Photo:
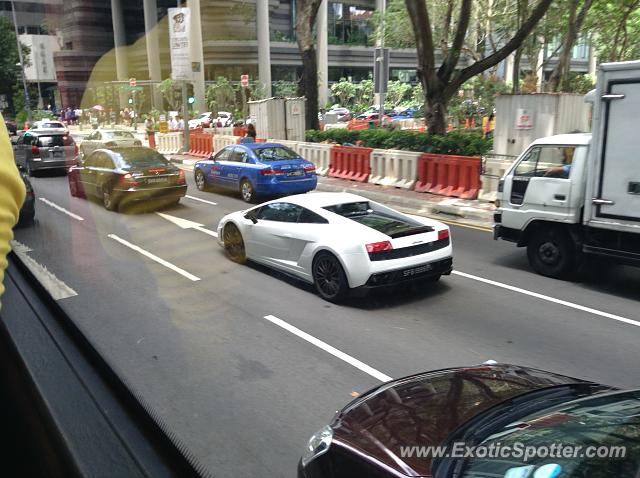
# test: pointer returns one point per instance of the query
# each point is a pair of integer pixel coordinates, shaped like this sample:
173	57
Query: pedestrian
250	136
488	127
180	123
173	124
150	129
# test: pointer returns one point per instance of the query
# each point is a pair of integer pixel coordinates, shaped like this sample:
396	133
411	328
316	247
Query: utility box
279	118
521	119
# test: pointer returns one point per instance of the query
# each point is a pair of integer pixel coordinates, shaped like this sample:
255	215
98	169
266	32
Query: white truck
573	195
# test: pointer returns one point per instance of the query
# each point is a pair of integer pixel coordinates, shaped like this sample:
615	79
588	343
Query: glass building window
349	24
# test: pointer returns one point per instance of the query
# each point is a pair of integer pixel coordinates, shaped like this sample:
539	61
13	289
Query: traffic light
130	101
191	100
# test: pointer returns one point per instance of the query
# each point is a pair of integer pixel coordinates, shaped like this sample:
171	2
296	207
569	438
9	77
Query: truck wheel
552	253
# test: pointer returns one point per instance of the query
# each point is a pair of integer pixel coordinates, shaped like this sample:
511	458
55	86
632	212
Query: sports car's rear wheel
234	244
329	277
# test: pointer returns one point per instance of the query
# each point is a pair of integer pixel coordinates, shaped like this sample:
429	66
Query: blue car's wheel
201	182
247	191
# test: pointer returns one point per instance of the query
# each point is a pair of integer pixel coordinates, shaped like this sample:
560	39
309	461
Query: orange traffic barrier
239	130
350	162
448	175
200	144
354	125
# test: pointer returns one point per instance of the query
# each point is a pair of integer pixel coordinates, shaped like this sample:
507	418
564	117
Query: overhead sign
179	25
244	80
524	119
132	82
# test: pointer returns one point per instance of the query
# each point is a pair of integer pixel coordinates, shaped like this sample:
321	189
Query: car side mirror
252	217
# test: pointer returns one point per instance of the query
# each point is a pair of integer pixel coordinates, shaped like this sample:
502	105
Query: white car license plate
298	172
417	270
156	180
58	155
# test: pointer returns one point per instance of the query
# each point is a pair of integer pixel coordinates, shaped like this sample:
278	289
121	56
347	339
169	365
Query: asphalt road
244	393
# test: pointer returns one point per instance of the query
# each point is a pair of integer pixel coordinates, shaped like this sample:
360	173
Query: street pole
185	115
135	114
27	100
381	8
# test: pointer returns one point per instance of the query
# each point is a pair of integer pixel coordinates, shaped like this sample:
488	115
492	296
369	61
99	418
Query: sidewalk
470	212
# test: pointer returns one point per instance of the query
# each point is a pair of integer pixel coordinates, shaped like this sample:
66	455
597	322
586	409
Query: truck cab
572	195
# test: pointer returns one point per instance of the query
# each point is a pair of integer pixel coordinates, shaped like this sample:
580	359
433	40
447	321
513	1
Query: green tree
221	95
441	82
10	71
285	88
615	28
171	93
344	91
397	93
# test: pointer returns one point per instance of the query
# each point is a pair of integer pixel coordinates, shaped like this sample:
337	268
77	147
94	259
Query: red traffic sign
244	80
132	82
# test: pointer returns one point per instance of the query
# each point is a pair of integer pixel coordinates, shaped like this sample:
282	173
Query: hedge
457	142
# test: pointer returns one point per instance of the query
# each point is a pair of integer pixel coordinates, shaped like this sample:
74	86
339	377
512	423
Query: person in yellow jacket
12	193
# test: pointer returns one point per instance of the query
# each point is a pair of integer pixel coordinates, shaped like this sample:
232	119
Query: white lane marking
187	224
328	348
155	258
56	287
550	299
193	198
61	209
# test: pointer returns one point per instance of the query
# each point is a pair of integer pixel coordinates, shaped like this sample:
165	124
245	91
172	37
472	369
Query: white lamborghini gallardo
338	242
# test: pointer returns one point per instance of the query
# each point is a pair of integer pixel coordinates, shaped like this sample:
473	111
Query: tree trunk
560	74
307	11
440	84
309	85
515	76
436	112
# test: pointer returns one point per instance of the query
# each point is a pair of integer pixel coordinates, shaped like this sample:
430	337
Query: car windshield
275	153
140	158
366	214
117	135
55	140
397	229
609	424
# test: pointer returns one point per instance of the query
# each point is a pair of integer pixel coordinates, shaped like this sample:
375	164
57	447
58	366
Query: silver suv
40	150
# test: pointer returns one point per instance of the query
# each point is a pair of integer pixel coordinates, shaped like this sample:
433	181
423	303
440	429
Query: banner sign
179	24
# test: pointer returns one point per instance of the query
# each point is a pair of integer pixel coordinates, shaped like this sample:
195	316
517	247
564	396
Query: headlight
318	444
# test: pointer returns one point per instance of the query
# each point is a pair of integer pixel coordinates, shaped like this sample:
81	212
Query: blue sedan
256	169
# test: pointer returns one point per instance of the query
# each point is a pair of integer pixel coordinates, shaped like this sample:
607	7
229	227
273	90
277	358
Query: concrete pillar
153	53
540	71
508	67
120	44
197	56
323	54
593	60
264	53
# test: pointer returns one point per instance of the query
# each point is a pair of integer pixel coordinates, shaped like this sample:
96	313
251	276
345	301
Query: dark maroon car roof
424	409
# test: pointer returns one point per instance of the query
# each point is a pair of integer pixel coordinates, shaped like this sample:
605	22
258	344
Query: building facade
254	37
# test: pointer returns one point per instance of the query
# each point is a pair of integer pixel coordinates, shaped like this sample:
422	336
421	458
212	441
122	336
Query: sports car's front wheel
234	244
329	277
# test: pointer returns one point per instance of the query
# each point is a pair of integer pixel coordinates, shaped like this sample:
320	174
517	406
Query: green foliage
221	95
479	98
344	92
10	73
397	93
285	88
171	93
456	142
580	83
615	29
